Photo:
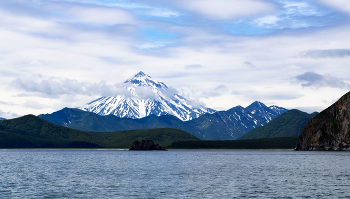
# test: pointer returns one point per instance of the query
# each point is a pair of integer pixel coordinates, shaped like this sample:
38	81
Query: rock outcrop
329	130
146	145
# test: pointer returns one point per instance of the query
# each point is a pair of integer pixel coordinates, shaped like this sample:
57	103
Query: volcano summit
147	96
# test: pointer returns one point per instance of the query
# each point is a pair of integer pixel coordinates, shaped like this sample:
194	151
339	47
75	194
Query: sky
66	53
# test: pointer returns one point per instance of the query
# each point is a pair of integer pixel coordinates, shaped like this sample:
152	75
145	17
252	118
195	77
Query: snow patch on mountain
235	122
148	96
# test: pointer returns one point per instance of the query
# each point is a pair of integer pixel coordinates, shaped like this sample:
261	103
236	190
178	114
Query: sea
63	173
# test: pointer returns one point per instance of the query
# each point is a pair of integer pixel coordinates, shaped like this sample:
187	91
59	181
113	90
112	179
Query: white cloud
8	115
329	53
54	87
249	64
217	91
145	93
314	80
88	55
271	95
91	14
152	45
267	20
192	93
342	5
302	8
223	9
2	102
194	66
34	104
162	12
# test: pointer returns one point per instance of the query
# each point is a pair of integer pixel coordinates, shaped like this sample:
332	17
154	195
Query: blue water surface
174	174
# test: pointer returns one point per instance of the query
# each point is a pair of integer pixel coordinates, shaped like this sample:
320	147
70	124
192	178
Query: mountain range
144	96
33	132
148	109
221	125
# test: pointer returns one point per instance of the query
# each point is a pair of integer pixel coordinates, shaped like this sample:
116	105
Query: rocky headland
146	145
329	130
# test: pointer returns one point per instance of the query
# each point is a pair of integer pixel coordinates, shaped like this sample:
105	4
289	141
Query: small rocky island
146	145
329	130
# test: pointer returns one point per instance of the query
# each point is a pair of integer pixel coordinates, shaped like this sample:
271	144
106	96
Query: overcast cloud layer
65	53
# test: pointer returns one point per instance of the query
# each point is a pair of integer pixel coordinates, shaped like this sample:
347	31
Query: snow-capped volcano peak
141	79
148	97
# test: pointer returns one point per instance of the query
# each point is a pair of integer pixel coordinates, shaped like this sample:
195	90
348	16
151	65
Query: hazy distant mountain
146	96
2	118
222	125
289	124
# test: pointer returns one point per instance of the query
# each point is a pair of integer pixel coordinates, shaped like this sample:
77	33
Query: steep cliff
329	130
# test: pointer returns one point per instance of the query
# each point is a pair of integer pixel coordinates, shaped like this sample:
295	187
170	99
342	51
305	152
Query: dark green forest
289	124
33	132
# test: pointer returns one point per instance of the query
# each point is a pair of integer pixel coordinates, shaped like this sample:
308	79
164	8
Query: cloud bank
330	53
194	66
341	5
249	64
222	9
314	80
250	45
54	87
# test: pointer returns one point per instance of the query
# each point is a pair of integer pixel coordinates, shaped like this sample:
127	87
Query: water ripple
173	174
